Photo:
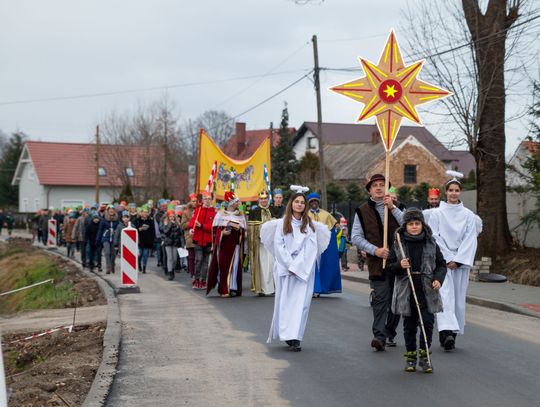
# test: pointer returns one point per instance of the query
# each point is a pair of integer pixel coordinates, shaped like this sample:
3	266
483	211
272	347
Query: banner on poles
245	176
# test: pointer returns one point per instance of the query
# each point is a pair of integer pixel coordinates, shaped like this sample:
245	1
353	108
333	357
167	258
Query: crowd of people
297	251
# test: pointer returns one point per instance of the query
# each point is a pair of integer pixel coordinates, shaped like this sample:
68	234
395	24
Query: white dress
455	229
295	256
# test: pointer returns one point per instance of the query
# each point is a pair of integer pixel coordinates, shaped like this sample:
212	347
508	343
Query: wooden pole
97	164
316	71
386	188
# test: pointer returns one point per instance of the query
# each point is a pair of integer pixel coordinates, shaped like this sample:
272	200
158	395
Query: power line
164	87
455	48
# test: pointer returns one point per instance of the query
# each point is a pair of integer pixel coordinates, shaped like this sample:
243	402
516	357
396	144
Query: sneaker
195	284
410	361
449	343
424	363
390	342
203	285
377	344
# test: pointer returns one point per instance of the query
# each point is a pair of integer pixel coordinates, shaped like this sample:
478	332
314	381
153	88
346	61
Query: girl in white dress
455	229
296	242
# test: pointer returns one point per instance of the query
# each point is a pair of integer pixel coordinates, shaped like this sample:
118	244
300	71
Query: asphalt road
182	348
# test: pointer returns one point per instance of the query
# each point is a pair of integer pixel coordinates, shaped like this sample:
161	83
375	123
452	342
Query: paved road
181	348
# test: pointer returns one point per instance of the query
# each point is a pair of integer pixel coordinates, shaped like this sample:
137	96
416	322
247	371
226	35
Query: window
409	174
102	172
311	143
129	172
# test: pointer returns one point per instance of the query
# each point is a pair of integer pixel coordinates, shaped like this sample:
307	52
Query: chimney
240	137
375	137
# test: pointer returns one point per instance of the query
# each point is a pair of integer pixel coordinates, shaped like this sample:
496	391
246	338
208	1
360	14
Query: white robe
455	229
294	274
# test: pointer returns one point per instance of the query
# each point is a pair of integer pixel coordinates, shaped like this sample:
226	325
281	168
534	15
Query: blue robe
327	271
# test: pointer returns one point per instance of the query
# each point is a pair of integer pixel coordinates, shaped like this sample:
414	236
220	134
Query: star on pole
390	91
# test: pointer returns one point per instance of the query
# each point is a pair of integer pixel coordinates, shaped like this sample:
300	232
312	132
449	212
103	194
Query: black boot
171	275
144	269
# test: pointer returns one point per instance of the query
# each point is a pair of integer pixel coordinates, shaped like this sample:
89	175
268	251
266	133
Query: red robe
221	266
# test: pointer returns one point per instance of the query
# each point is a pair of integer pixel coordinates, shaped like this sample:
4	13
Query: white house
64	174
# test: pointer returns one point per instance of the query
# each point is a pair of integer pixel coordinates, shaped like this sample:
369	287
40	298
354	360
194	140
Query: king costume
328	273
261	261
296	255
225	270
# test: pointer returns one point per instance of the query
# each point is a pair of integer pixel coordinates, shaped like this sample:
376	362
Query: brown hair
453	182
287	218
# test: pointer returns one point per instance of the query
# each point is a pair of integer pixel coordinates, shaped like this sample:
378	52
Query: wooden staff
386	188
415	298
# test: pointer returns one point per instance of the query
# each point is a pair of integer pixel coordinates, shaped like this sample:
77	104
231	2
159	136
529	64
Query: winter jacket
145	227
91	233
79	230
68	230
118	233
429	261
171	234
203	234
107	226
184	224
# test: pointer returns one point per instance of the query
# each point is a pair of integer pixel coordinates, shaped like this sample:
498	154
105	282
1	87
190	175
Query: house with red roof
59	175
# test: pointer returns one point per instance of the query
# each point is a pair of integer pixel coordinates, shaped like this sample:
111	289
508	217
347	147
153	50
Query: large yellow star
390	91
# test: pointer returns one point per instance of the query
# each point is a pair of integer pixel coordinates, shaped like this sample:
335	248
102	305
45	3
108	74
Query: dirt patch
21	264
53	370
521	266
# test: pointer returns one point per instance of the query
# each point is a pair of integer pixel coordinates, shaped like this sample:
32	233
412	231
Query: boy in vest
367	235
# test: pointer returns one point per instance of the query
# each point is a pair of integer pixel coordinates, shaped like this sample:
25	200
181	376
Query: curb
482	302
104	378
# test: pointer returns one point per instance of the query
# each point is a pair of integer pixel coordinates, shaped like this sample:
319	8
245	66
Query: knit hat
278	191
413	214
125	213
170	212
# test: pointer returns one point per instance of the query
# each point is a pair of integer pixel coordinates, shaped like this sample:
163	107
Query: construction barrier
129	265
51	236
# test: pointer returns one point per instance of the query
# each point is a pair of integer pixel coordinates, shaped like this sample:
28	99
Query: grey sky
61	48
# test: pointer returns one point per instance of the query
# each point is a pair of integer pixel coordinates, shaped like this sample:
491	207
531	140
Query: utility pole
319	122
97	164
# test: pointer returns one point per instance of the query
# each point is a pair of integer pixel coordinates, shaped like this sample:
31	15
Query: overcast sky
63	48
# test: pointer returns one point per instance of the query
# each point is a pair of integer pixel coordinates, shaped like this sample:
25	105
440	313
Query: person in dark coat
145	228
107	226
94	244
427	266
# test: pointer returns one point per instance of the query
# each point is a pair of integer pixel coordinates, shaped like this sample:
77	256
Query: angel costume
295	255
226	265
455	229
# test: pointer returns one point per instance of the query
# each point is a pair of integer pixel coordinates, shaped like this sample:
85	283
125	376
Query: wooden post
386	188
97	164
316	71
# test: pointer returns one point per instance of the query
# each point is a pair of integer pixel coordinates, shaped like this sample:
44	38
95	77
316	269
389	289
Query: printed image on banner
245	177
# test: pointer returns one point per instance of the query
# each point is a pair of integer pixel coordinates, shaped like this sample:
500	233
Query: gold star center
390	91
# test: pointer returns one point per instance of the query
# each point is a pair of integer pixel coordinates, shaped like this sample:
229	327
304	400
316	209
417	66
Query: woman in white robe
296	242
455	229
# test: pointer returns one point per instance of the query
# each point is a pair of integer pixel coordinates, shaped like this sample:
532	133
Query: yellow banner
247	175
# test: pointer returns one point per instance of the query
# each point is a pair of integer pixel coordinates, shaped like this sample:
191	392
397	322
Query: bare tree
154	134
218	124
470	48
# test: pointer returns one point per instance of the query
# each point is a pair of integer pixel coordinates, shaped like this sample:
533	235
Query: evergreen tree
8	164
335	193
355	193
284	164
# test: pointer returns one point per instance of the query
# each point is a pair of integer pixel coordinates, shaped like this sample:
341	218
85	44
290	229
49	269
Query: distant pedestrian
187	214
69	225
172	239
10	221
343	241
2	220
107	226
94	244
200	227
147	236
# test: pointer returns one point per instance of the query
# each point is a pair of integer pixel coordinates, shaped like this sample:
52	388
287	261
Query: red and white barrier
129	265
51	236
3	391
68	328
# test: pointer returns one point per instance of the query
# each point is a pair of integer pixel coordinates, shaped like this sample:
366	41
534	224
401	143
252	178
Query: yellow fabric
249	173
323	217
